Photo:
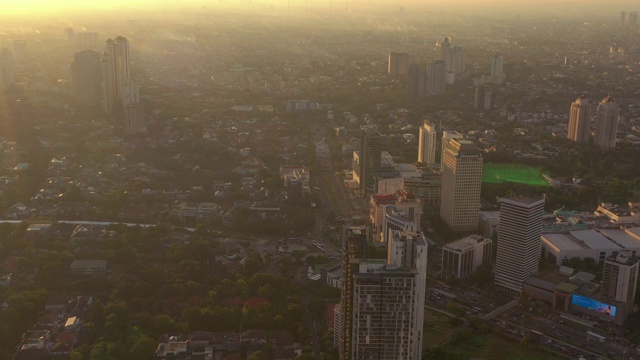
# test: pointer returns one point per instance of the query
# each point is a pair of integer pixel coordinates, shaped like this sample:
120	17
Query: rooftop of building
466	242
593	239
524	198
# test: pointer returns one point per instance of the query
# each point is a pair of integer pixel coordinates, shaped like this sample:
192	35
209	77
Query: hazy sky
40	7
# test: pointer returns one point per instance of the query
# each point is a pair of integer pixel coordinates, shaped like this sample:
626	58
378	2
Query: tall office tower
489	97
445	54
497	65
108	83
497	69
387	312
355	242
606	124
87	39
623	19
7	70
620	277
579	117
134	120
118	50
633	19
427	143
398	63
415	82
86	77
370	157
20	50
446	137
461	182
478	99
457	60
131	93
70	33
436	78
518	241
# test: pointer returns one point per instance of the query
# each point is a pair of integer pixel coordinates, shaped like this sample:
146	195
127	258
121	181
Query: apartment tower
620	277
398	63
436	78
606	124
387	314
579	117
427	143
355	242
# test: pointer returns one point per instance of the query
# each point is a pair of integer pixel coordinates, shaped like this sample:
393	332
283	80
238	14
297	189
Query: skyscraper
415	83
20	51
446	137
518	241
355	242
579	117
461	182
7	70
370	157
623	19
398	63
387	314
108	83
457	60
445	49
427	143
86	77
436	78
606	124
118	50
496	65
70	33
620	277
633	19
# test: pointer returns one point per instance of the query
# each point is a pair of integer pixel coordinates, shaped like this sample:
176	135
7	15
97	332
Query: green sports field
514	173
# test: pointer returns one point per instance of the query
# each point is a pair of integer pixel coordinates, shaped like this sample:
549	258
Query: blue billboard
594	305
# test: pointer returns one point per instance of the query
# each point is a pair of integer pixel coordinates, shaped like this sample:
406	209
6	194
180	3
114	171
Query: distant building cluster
105	80
606	122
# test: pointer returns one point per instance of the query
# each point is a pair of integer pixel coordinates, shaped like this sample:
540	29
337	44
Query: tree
143	348
576	262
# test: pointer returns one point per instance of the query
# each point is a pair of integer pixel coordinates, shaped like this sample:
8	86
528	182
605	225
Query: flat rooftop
593	239
621	238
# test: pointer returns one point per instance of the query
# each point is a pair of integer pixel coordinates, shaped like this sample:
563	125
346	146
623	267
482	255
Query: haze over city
319	179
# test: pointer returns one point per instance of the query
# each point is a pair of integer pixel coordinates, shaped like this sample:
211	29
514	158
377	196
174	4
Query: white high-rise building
606	124
388	302
579	118
518	241
620	277
427	143
461	182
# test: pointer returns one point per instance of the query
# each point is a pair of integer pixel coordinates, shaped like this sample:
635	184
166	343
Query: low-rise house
88	267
